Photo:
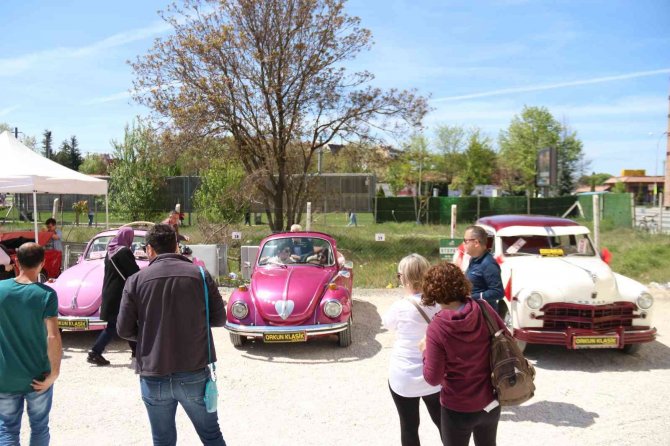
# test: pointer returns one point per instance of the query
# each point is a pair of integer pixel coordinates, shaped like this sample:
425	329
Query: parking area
317	393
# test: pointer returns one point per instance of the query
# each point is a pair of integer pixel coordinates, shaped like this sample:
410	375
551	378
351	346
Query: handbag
511	374
211	392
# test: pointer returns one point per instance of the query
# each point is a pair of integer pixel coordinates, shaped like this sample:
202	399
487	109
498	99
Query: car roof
314	234
498	222
112	232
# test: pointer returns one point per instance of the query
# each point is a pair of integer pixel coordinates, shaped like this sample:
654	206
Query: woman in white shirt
409	319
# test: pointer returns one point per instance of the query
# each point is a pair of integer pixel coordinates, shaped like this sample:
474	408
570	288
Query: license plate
294	336
595	341
76	324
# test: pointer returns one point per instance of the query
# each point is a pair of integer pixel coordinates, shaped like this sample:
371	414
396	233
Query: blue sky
601	66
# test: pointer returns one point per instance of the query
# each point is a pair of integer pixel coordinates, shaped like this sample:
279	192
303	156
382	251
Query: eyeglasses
466	240
398	275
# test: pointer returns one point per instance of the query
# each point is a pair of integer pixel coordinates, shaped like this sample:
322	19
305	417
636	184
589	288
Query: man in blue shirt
30	349
483	271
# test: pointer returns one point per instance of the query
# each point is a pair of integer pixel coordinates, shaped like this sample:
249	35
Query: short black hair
162	238
29	255
50	221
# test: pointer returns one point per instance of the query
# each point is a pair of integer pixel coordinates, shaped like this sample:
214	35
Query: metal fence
654	220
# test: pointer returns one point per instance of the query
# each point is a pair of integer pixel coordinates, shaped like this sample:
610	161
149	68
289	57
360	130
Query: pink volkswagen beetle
300	288
79	287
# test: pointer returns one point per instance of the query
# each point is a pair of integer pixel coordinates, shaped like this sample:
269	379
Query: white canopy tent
23	171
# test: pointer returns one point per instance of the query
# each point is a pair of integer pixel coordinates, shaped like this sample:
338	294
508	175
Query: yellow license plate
595	341
295	336
78	324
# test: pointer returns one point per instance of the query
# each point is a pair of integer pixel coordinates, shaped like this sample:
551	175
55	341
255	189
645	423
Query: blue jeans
161	395
11	411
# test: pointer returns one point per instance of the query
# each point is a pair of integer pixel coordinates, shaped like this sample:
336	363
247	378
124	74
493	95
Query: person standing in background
483	271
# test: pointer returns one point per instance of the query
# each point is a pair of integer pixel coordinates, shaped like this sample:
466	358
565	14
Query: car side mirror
343	273
80	258
348	264
247	264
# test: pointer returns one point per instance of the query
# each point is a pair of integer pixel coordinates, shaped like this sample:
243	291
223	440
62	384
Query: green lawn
637	255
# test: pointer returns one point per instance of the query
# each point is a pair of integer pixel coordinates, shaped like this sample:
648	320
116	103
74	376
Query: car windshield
297	250
98	247
549	246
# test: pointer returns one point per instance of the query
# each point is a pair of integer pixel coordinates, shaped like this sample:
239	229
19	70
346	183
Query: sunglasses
398	275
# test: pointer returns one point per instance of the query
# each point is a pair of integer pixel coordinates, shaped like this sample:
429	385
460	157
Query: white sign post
380	237
453	220
308	225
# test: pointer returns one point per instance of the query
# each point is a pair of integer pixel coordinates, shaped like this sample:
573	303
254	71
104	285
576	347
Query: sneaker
97	359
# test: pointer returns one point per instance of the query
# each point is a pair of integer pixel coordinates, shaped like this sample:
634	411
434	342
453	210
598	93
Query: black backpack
511	374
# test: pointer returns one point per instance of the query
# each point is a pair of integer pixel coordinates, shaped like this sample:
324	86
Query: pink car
300	288
79	287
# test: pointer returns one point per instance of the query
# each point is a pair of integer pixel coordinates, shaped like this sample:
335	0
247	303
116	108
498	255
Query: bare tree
270	75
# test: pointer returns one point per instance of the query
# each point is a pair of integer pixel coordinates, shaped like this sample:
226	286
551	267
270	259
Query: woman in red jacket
456	355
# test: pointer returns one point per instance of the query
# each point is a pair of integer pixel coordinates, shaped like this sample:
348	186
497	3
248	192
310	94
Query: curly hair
445	283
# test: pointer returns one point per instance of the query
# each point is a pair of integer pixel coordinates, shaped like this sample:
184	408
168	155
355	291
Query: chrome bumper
257	331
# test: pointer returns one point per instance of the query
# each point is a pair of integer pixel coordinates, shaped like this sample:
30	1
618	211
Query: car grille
560	316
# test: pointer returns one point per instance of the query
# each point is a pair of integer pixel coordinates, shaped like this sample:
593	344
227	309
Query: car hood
567	279
289	295
79	288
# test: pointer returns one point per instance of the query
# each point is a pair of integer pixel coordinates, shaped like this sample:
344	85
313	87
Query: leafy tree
221	194
269	75
138	176
479	163
451	142
570	161
62	157
533	130
595	179
74	157
619	187
94	164
47	144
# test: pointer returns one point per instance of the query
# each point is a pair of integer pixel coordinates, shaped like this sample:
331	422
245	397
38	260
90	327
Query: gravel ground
319	394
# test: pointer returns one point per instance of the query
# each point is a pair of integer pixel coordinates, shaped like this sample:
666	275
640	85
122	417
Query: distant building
645	189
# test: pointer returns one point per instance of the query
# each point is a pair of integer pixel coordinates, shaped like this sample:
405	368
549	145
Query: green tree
593	180
570	161
221	196
47	144
533	130
74	157
269	75
94	164
480	163
138	176
451	142
62	157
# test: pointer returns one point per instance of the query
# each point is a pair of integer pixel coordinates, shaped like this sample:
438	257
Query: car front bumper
80	323
569	337
257	331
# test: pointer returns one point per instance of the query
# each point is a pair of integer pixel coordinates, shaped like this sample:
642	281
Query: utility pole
666	187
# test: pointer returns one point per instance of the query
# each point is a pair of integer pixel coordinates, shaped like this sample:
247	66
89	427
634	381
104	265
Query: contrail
596	80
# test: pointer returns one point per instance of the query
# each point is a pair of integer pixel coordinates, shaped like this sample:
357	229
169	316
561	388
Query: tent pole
37	240
106	211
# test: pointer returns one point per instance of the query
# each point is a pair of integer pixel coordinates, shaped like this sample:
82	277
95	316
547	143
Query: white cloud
597	80
13	66
7	110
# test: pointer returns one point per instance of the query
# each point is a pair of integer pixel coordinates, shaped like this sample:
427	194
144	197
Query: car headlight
534	300
645	301
332	308
239	310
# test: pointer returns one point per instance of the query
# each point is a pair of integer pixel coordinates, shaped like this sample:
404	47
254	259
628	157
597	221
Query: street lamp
658	142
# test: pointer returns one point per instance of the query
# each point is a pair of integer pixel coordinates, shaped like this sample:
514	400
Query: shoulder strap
117	268
209	349
487	316
423	313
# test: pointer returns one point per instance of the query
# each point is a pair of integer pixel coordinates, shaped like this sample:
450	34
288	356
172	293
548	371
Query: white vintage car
558	289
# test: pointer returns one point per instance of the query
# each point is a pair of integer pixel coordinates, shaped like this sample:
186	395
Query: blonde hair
412	268
296	228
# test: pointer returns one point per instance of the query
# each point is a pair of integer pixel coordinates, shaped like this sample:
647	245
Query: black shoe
97	359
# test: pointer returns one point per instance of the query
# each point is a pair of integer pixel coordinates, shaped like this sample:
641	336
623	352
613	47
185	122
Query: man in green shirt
30	349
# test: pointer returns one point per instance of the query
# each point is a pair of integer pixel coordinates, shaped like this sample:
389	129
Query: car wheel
506	316
344	337
237	340
630	349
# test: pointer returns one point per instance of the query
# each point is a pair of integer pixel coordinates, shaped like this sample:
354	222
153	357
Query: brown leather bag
511	374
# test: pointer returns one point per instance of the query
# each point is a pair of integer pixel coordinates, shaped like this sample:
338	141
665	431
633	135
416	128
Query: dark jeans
408	411
457	427
161	395
106	335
